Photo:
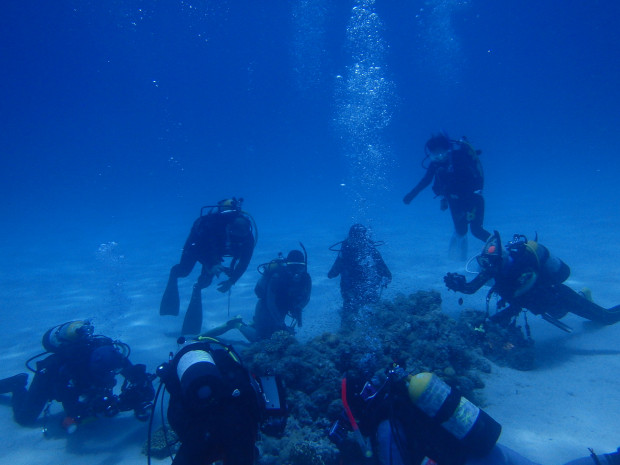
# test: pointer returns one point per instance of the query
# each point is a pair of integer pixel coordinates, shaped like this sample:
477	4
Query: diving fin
170	300
193	317
458	247
13	383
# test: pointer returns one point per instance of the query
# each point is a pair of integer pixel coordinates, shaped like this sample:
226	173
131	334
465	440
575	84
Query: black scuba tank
472	426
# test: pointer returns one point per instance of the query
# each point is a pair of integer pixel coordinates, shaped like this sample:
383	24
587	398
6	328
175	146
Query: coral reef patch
411	331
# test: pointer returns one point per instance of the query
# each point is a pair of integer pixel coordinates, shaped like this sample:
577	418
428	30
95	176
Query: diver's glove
137	389
408	198
296	314
455	282
225	286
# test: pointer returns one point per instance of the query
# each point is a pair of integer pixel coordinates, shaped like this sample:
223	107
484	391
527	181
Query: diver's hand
216	270
225	286
455	282
408	198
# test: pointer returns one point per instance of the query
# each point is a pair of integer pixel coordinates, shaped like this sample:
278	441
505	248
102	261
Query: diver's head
490	259
229	205
358	232
295	257
105	361
438	147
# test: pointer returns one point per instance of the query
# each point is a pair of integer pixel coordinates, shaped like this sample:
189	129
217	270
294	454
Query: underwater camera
275	413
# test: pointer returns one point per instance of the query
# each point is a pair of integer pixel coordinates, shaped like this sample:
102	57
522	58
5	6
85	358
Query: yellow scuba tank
66	333
552	269
473	427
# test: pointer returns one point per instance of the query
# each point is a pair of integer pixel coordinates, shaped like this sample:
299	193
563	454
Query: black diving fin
170	300
192	323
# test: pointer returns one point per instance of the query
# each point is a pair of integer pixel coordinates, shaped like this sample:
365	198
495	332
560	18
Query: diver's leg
195	454
235	323
458	242
249	332
458	247
192	323
261	327
13	383
170	300
505	315
573	302
476	218
28	404
605	459
500	455
391	442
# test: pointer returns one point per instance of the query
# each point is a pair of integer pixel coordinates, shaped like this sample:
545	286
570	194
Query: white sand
571	401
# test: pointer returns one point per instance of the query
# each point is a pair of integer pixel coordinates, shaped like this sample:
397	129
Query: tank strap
450	404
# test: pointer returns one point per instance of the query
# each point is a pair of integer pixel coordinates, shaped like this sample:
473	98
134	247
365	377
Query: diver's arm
301	299
336	268
423	184
458	283
305	297
382	268
240	264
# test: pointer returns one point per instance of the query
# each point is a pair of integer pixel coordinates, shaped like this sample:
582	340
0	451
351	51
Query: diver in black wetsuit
528	276
457	171
420	419
214	408
283	290
226	231
80	371
363	273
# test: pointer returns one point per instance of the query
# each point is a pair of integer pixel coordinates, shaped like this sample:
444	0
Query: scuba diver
528	276
216	407
420	419
283	290
363	273
225	231
456	168
80	372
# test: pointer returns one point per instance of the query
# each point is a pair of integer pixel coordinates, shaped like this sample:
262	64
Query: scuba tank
473	427
66	333
551	269
199	377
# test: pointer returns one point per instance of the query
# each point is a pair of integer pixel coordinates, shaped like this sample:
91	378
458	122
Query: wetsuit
522	286
403	435
456	182
284	290
82	376
208	243
362	273
212	237
223	426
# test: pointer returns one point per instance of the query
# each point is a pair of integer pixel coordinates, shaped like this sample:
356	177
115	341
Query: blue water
120	119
